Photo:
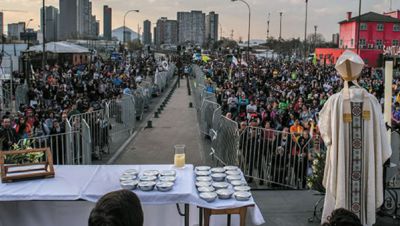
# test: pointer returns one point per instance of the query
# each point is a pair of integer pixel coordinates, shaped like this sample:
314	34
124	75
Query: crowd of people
60	91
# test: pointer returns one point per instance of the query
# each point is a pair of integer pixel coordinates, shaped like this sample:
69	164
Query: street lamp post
358	27
305	39
248	32
44	35
280	25
129	11
315	37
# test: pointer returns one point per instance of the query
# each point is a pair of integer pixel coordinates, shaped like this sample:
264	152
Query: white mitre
349	66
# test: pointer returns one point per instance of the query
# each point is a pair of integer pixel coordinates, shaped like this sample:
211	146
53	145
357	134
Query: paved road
177	125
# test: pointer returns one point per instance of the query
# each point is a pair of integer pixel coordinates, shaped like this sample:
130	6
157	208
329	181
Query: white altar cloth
43	202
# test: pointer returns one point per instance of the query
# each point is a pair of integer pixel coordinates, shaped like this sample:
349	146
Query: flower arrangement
33	157
314	181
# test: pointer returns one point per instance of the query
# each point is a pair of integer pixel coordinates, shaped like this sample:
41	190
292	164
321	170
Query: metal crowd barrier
21	96
206	116
224	143
70	148
98	127
279	159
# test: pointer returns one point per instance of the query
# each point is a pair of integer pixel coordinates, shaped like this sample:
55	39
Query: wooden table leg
243	212
200	216
229	220
207	214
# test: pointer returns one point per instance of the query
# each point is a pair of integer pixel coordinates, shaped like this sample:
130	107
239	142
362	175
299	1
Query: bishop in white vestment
352	127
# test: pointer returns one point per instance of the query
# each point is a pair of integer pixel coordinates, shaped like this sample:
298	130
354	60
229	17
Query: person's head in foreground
342	217
118	208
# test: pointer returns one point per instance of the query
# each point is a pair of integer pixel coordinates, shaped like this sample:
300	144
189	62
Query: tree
225	43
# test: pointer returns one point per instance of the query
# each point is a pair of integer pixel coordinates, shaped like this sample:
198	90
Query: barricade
206	116
70	148
21	96
98	126
225	141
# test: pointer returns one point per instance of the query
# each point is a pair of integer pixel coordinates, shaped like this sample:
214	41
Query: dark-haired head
342	217
118	208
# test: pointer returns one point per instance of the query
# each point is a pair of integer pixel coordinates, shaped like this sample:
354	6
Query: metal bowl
233	172
206	189
208	196
238	183
203	184
168	173
241	188
218	176
164	186
218	170
129	184
147	185
231	168
220	185
167	178
231	178
224	193
202	173
132	172
202	168
148	178
125	177
206	179
242	195
151	173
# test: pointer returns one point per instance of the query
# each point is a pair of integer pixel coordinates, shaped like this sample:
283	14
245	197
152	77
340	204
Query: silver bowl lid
203	178
218	175
148	178
132	171
146	183
168	178
129	182
231	168
203	183
238	182
202	173
202	168
206	189
151	173
234	177
232	172
218	170
242	194
126	177
220	185
168	173
242	188
208	195
162	184
225	192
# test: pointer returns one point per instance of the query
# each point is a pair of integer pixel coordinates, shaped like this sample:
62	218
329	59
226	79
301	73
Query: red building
376	32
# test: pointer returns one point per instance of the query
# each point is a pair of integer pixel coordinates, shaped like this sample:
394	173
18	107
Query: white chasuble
354	132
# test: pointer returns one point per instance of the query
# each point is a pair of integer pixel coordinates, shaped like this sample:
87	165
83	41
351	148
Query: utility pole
358	27
269	17
44	35
391	4
280	26
315	37
305	39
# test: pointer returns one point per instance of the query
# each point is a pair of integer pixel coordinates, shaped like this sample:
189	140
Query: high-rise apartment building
147	32
107	29
52	25
15	30
166	32
191	27
211	28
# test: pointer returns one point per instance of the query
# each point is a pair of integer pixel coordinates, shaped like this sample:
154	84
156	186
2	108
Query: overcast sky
233	15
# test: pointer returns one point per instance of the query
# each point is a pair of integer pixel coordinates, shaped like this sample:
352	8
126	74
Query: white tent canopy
59	47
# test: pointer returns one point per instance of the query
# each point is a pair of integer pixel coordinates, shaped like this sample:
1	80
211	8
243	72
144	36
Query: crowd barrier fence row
90	135
277	159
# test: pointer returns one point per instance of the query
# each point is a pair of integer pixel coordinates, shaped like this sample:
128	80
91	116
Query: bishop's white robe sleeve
324	123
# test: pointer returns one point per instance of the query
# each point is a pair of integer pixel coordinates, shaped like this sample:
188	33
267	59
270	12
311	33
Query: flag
315	59
235	61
